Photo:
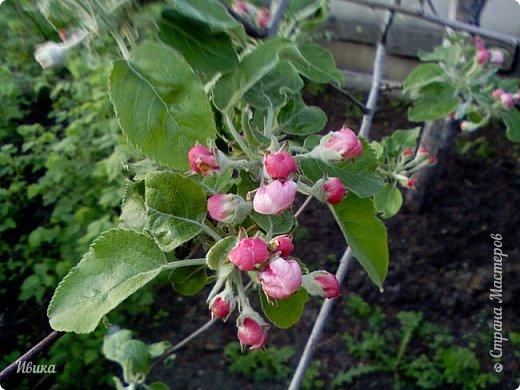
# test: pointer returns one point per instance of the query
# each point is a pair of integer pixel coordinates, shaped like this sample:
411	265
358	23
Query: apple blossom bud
497	93
248	253
345	142
329	284
202	161
432	160
250	332
479	43
411	183
281	278
221	306
321	283
279	165
274	198
282	244
51	54
228	208
483	56
407	152
507	100
334	190
240	7
423	150
497	57
262	19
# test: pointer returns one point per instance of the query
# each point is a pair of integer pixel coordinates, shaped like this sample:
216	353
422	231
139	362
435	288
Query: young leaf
389	201
205	51
400	140
437	100
176	208
189	280
284	313
319	65
423	75
365	234
219	252
296	118
250	70
512	120
300	10
132	355
161	104
118	263
274	224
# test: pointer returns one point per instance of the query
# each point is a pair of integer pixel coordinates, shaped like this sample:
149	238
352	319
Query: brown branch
31	354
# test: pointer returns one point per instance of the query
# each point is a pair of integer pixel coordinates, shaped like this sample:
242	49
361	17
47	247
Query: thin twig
302	207
456	25
364	109
319	324
31	354
379	64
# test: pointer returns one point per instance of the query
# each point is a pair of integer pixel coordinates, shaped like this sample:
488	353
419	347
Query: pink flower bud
464	125
281	278
274	198
334	190
282	244
240	7
262	19
497	93
411	183
423	150
479	43
202	161
497	57
251	333
507	100
432	160
220	307
248	252
407	152
346	142
279	165
329	284
228	208
483	56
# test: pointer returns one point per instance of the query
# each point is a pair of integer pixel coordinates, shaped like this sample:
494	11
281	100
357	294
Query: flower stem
184	263
238	138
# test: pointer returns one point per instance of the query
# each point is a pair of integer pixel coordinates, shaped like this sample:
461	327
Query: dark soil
440	264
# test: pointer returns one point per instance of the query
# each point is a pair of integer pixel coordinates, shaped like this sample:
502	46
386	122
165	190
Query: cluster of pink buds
409	162
261	15
484	55
506	99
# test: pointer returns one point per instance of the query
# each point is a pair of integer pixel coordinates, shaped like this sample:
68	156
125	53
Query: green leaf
423	75
205	51
447	54
189	280
389	201
365	234
284	313
296	118
217	184
132	355
400	140
161	104
512	120
358	175
118	263
437	100
300	10
219	252
176	208
212	14
319	65
133	210
255	65
273	89
274	224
